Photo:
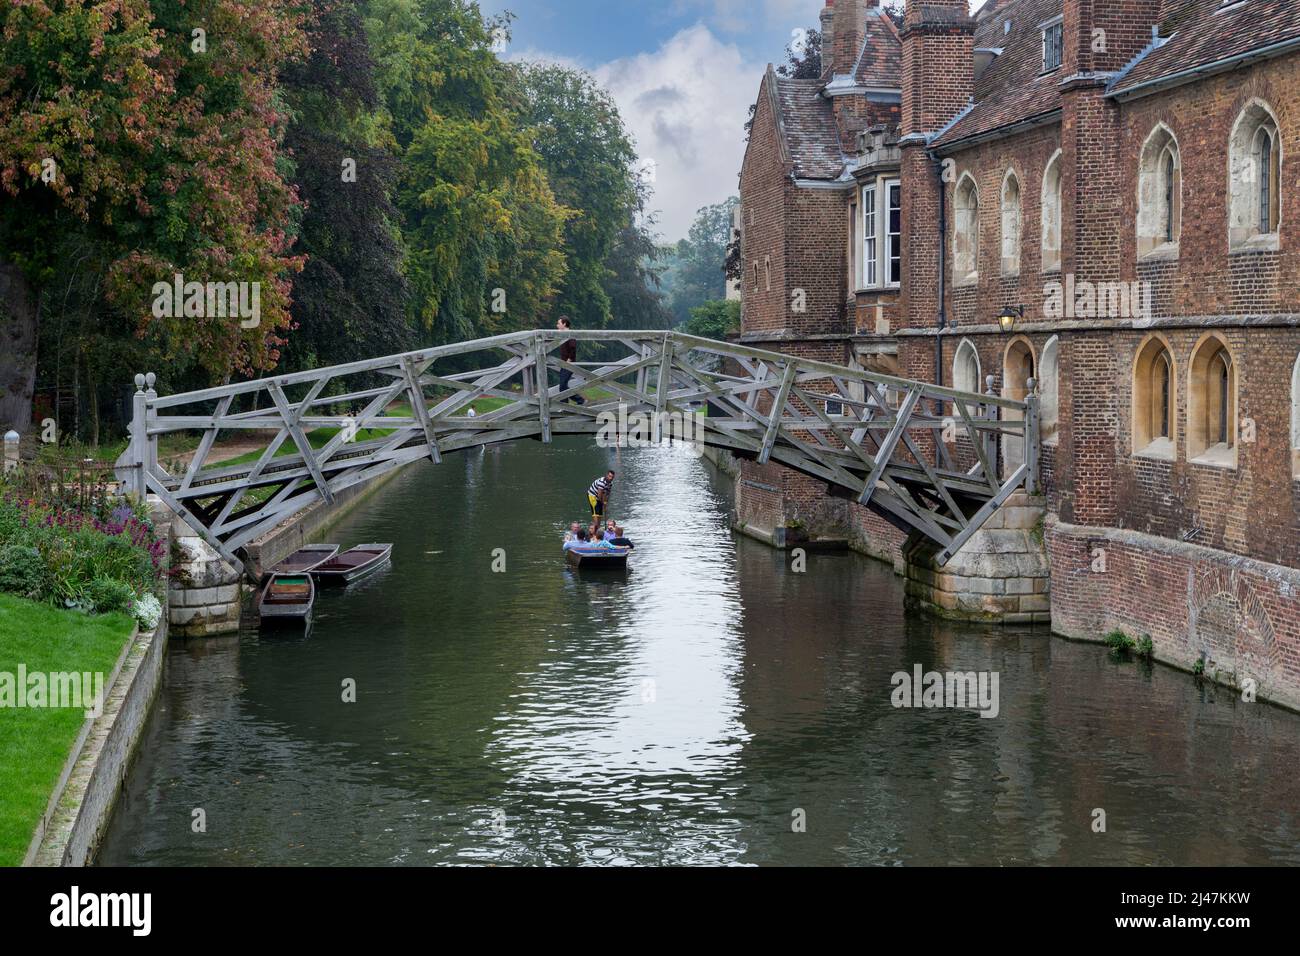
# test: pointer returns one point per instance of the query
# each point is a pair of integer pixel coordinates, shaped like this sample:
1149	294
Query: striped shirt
600	487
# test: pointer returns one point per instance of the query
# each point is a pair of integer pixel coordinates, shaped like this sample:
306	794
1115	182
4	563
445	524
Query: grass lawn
35	742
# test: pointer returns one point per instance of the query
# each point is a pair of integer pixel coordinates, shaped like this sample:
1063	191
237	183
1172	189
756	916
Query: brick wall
1241	617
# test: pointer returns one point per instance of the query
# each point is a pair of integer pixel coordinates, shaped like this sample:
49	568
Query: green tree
350	300
588	156
714	320
479	215
698	261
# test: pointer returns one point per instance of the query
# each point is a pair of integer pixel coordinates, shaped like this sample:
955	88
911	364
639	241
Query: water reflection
686	712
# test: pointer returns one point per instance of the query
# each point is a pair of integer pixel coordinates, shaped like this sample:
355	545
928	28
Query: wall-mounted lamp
1007	317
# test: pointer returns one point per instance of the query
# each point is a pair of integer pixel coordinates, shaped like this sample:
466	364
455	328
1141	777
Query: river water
711	706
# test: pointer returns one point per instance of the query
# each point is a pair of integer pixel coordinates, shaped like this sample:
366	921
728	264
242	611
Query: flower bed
106	558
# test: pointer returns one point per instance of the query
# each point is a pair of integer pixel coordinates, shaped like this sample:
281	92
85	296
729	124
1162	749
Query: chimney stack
938	63
850	30
828	35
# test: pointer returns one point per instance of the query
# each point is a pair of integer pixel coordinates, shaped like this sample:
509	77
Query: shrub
23	572
108	594
1146	647
1120	642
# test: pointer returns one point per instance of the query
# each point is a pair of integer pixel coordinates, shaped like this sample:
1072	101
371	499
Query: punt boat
305	559
353	565
287	599
597	557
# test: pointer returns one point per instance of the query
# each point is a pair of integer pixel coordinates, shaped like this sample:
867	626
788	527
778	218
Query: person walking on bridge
598	497
568	353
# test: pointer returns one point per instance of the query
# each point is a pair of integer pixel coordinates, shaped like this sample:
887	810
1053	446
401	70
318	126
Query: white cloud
686	104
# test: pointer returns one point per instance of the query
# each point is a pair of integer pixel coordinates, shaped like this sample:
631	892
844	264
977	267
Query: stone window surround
1012	219
1154	193
880	181
1202	397
1146	442
1050	213
1295	420
965	232
1244	234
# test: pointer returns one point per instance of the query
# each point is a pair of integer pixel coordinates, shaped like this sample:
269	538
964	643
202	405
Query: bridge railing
930	459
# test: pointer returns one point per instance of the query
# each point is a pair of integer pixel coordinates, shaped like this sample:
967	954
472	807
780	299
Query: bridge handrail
714	346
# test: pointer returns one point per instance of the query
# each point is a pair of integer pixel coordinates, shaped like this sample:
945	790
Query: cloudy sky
683	72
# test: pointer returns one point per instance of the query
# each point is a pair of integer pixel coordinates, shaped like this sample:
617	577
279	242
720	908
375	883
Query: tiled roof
1013	87
808	121
1206	31
881	61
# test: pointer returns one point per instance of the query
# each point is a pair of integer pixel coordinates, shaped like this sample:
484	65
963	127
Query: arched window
1010	225
1051	215
1154	400
966	368
965	238
1295	420
1048	390
1159	218
1212	404
1255	178
835	404
1017	371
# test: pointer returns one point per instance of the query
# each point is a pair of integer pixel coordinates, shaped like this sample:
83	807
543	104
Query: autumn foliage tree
151	150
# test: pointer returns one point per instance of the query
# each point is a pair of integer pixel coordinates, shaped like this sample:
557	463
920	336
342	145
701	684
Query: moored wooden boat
353	564
287	598
598	557
305	559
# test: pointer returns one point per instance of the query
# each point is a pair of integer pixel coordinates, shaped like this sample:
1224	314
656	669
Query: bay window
882	234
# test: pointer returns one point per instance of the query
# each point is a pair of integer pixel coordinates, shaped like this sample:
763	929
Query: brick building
1117	175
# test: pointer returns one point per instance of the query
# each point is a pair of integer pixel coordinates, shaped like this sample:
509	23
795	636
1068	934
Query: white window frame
877	260
1057	24
870	204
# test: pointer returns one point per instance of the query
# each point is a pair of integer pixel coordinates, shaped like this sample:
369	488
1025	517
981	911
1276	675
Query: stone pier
1000	575
205	593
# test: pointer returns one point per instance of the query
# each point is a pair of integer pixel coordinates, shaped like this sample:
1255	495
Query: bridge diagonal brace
977	442
419	406
300	439
205	446
777	411
159	489
888	444
664	382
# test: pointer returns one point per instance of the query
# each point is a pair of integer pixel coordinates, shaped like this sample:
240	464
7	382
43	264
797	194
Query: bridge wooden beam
888	444
777	410
421	410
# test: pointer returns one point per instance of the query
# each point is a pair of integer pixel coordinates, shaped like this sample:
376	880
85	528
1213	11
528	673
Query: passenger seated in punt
614	535
580	540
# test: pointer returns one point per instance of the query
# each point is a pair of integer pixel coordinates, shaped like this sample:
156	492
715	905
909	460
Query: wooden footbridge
924	457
